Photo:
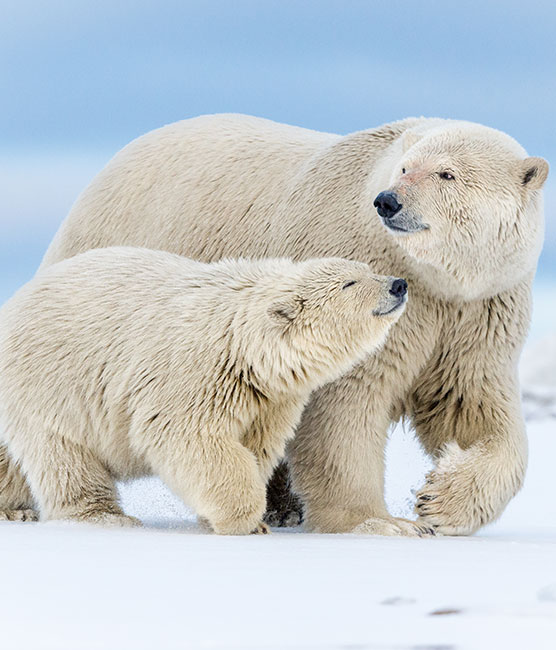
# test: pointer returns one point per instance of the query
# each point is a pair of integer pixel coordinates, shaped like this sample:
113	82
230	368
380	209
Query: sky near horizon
81	79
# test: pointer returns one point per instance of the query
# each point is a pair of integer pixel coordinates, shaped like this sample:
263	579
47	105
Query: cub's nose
387	204
399	288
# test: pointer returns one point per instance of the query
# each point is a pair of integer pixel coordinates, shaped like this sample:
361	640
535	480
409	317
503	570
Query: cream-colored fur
122	362
233	185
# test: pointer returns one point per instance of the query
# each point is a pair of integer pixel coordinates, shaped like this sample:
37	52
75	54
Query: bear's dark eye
403	170
349	284
447	176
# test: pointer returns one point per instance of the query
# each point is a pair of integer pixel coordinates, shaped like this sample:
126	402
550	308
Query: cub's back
80	315
119	284
91	341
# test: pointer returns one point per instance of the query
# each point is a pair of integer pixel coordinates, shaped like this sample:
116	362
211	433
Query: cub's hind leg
71	483
16	500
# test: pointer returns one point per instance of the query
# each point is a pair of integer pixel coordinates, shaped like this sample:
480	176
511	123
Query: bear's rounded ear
533	173
286	310
409	139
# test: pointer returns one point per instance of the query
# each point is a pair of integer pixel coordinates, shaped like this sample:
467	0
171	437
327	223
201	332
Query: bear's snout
398	288
387	204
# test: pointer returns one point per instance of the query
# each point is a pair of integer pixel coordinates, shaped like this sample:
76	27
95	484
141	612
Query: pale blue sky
80	79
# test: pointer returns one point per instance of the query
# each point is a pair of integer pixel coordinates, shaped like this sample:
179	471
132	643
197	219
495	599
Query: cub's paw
204	524
108	519
19	515
396	527
261	529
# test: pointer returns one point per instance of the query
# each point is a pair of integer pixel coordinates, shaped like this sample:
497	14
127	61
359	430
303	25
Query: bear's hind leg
71	483
16	500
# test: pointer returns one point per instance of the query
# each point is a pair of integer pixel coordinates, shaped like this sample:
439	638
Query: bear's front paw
285	518
284	510
441	505
396	527
456	499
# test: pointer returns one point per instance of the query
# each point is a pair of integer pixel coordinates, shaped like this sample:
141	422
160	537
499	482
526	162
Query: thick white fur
123	362
231	185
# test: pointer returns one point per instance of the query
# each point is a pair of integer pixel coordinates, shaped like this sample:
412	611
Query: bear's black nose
399	288
387	204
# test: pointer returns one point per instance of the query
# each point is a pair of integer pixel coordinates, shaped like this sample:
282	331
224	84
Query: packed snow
171	585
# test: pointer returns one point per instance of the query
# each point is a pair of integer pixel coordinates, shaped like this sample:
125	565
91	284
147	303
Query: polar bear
122	362
459	216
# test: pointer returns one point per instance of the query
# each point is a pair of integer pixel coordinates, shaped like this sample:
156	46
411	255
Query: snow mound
538	379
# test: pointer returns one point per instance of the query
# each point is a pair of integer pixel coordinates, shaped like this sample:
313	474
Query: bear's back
198	187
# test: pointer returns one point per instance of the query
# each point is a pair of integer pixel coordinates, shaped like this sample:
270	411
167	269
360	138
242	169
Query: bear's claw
443	505
261	529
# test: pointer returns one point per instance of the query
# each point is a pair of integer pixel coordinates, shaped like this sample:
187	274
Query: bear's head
464	201
320	317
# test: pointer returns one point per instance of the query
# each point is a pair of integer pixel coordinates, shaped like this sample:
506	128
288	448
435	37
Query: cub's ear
409	139
533	173
286	310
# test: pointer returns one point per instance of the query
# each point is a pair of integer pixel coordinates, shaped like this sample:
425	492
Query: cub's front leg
213	472
270	431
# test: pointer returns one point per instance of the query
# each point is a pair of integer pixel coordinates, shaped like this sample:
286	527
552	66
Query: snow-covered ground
169	585
72	587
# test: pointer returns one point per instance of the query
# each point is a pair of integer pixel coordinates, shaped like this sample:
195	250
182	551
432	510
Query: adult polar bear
462	220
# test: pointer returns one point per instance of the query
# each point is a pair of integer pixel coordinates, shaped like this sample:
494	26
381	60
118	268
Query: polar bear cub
123	362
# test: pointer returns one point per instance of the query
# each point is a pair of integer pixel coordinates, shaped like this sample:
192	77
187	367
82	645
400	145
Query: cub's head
324	315
464	200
